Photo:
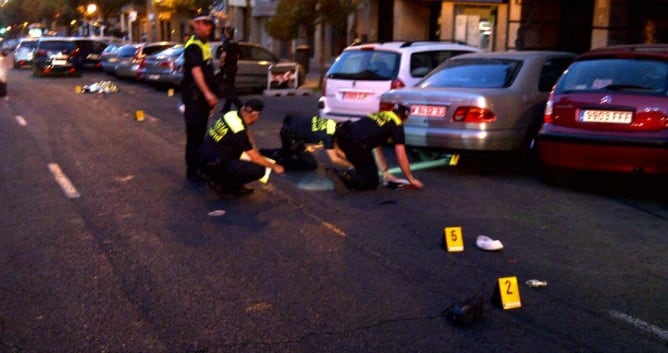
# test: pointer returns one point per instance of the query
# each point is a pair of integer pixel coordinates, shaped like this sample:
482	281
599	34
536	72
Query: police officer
229	57
361	142
296	133
223	146
197	92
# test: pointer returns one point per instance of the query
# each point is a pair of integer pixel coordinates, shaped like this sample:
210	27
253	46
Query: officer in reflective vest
197	92
223	146
361	141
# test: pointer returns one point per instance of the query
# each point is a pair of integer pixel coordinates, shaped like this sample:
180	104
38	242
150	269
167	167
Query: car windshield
615	74
473	73
366	65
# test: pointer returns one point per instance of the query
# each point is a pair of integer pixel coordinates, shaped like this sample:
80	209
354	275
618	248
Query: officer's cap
203	16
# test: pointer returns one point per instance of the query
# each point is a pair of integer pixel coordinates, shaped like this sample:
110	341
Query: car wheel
3	89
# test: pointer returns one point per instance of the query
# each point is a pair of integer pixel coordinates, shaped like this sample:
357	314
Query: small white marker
21	121
63	181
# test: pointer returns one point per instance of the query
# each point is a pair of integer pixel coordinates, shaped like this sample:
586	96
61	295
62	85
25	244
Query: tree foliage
291	14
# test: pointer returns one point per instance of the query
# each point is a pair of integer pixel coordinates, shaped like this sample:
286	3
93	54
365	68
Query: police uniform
229	71
296	133
357	140
197	53
223	145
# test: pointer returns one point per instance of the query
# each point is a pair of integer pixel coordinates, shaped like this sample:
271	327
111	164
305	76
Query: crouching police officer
361	142
296	133
223	145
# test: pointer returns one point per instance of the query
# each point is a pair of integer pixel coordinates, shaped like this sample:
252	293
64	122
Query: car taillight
474	115
324	86
40	53
166	64
547	117
397	83
385	106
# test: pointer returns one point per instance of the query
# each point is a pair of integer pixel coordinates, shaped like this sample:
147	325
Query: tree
305	15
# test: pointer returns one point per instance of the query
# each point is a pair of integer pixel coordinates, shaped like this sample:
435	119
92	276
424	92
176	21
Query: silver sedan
492	101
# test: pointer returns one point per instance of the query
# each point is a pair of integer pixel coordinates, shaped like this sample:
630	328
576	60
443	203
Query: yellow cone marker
139	115
170	92
77	89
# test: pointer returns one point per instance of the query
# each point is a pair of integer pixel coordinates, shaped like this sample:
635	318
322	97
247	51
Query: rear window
423	62
127	51
614	75
155	48
27	44
366	65
173	51
53	46
255	54
474	73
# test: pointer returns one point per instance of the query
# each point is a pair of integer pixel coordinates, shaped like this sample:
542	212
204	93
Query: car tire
3	89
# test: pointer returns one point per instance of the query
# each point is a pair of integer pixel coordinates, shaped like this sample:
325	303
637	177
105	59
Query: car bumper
460	139
646	153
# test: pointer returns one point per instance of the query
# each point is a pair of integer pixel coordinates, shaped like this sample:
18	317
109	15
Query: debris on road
100	87
535	283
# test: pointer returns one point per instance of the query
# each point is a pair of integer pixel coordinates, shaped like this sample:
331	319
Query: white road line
21	121
640	324
63	181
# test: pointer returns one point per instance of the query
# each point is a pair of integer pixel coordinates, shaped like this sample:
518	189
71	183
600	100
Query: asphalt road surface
104	247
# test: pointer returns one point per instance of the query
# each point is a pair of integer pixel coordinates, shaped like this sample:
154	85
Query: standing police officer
197	92
229	57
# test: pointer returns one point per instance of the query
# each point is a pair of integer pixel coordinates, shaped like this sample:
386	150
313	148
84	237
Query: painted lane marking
640	324
63	181
21	121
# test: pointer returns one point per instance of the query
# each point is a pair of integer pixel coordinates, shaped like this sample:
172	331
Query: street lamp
90	11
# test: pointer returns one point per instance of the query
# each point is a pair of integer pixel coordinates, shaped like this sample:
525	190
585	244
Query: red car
609	113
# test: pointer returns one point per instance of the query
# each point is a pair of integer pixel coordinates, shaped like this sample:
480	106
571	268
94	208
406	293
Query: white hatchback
352	87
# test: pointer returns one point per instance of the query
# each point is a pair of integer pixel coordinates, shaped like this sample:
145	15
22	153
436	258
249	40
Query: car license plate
606	116
153	77
434	111
356	96
59	62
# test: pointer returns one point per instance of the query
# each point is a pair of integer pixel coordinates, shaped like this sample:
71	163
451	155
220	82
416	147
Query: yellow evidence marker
453	239
508	293
139	115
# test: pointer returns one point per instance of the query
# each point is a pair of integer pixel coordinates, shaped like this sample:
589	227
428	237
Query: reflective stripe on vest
381	118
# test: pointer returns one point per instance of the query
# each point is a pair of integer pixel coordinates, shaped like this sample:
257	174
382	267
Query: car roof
513	54
628	50
412	46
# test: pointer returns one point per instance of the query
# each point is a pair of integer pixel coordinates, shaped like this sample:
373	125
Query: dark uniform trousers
233	174
365	175
196	116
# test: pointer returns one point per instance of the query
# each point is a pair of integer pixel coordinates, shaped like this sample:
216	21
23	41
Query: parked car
24	52
492	101
109	58
90	50
609	113
352	87
131	56
56	56
254	63
8	45
158	68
